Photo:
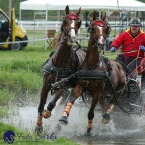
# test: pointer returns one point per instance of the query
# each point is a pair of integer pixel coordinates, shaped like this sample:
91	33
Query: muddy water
122	129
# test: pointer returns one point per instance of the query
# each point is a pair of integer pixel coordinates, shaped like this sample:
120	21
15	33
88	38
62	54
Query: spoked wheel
143	91
131	99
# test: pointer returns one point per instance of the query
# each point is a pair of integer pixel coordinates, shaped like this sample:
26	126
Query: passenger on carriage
132	44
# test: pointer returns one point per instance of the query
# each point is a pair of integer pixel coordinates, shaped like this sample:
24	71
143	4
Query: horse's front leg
94	102
52	104
75	93
44	92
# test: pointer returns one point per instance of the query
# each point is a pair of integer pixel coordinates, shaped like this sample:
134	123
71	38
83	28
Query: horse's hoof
63	120
105	121
46	114
88	133
38	129
106	118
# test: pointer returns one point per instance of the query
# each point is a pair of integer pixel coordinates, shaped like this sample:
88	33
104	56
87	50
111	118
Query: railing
117	27
40	24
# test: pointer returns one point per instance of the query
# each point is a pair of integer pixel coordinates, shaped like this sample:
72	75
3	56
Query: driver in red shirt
132	44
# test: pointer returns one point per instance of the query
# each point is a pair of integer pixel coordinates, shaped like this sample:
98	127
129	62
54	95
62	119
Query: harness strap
63	72
107	62
76	58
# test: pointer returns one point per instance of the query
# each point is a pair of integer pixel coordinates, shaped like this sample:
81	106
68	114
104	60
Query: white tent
122	5
130	5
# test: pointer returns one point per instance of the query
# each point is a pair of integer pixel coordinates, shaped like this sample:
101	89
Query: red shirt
130	44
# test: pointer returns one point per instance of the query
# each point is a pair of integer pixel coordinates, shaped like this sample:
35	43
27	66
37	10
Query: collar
138	34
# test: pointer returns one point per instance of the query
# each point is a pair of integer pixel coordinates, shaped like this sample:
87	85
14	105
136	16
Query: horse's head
71	24
99	29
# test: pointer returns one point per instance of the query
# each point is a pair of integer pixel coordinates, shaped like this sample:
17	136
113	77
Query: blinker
72	17
99	23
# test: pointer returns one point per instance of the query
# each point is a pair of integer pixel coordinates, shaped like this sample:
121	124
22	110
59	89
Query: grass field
25	138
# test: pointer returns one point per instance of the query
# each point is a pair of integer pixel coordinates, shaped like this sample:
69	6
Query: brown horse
96	73
64	62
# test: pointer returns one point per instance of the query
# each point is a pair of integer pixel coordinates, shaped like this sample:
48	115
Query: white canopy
129	5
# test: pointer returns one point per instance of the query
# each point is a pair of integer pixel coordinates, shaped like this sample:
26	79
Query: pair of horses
88	71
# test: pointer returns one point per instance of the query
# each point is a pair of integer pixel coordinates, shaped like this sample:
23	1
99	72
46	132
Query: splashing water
121	125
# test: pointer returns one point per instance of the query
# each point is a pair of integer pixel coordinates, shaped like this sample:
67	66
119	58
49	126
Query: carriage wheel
131	99
143	90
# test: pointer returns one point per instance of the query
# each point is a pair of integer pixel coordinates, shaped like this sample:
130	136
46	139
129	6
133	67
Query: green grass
23	137
21	72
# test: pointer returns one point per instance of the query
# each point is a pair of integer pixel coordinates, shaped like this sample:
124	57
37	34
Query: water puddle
122	127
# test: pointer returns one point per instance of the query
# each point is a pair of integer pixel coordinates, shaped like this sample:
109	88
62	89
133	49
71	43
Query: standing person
89	25
132	44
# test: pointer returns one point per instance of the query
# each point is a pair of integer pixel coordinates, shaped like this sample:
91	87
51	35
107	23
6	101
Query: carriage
105	81
94	76
131	100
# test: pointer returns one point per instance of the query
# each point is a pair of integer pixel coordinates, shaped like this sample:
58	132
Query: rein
98	23
67	37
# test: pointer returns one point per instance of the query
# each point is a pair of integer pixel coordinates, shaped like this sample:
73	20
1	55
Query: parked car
10	31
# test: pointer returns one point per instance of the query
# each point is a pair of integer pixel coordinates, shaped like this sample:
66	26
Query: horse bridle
71	17
99	23
96	42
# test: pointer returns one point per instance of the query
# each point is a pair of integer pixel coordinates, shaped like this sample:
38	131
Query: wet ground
122	129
